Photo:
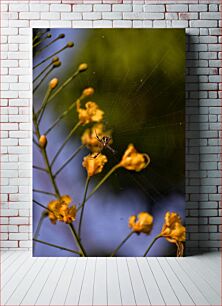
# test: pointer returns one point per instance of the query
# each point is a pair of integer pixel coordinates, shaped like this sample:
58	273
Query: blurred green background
138	77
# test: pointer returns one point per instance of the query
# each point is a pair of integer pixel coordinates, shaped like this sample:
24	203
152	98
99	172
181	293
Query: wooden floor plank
152	287
4	255
126	289
10	261
21	290
46	294
62	288
100	283
38	283
86	294
190	286
212	261
137	282
164	286
17	278
174	279
113	286
73	293
208	292
213	279
13	269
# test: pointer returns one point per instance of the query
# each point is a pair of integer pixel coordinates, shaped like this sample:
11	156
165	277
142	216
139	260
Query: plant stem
78	242
50	56
64	85
45	76
44	192
56	246
41	73
119	246
65	113
39	168
45	156
65	142
43	216
154	240
68	160
83	206
40	113
41	205
102	181
49	44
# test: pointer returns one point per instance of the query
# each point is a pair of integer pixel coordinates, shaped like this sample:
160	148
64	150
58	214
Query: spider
104	144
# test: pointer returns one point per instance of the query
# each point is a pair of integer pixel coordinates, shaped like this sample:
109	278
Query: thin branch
41	205
39	168
68	160
65	142
83	206
44	192
56	246
49	44
78	242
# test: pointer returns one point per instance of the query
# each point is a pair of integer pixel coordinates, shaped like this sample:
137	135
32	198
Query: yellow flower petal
143	224
94	165
91	113
59	210
132	160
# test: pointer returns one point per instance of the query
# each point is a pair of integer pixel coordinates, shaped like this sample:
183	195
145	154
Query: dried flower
53	83
143	223
89	137
70	44
42	141
132	160
91	113
174	231
60	210
94	165
83	67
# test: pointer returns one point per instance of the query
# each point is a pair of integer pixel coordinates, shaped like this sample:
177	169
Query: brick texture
200	18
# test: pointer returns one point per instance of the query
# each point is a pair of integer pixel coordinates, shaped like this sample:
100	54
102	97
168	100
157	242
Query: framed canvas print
108	142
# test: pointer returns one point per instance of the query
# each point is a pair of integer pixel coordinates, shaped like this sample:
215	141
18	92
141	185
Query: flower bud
55	59
42	141
57	64
70	44
61	36
88	92
53	83
49	35
83	67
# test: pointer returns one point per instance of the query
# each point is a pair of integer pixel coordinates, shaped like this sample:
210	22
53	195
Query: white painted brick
39	23
4	220
25	244
112	15
18	23
207	15
50	16
9	244
177	8
82	7
137	7
133	15
102	24
122	23
154	8
179	23
102	7
197	7
138	23
60	8
122	7
29	15
203	23
171	16
18	7
60	24
92	16
18	236
39	7
9	31
71	16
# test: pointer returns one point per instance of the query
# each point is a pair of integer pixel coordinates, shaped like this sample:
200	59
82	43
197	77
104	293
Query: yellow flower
91	113
132	160
94	165
174	231
142	224
89	137
60	210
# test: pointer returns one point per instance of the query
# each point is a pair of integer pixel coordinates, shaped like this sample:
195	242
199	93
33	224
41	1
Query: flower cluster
143	223
60	210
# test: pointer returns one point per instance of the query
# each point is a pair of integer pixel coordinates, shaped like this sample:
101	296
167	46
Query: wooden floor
114	281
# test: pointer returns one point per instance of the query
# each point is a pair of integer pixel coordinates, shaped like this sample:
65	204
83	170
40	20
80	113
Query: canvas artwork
108	142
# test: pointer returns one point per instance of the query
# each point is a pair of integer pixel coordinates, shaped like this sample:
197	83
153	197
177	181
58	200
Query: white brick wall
203	104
